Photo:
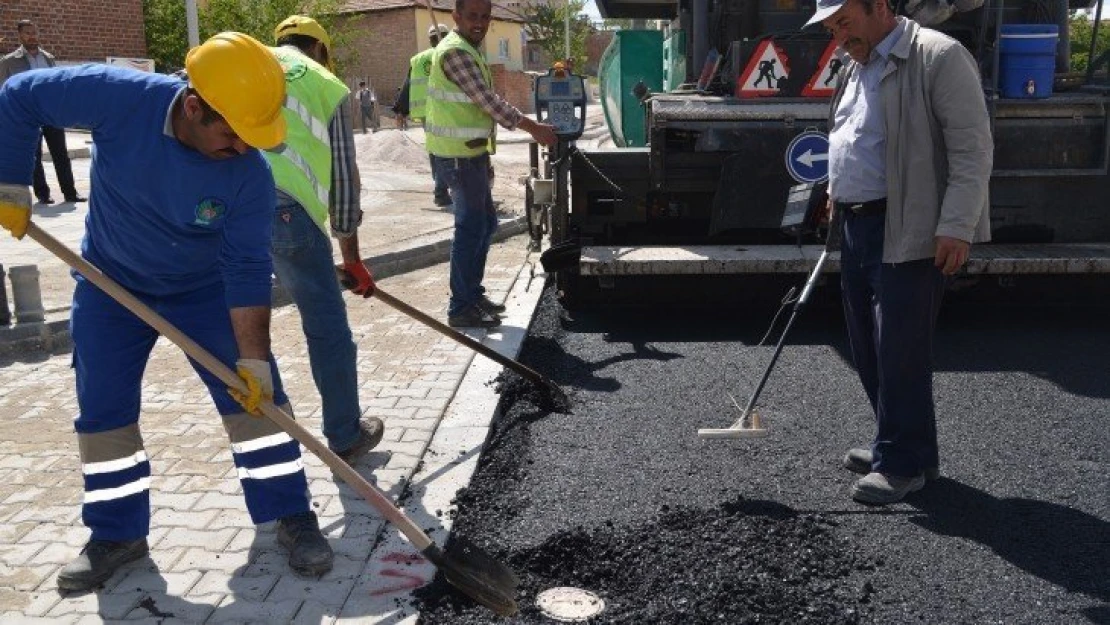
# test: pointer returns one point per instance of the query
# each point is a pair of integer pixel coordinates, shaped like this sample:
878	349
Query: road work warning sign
766	73
823	81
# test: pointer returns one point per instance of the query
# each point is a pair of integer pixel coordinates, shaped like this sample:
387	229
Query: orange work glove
363	282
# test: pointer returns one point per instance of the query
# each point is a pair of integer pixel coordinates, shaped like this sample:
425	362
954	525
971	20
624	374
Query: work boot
858	460
98	561
473	317
490	306
370	432
880	489
310	554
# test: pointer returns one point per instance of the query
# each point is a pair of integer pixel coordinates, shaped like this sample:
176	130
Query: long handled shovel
553	396
468	568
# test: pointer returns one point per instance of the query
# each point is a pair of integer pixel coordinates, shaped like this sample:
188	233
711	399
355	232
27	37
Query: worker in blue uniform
180	214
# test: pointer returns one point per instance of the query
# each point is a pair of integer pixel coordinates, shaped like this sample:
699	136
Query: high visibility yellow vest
302	165
420	67
453	120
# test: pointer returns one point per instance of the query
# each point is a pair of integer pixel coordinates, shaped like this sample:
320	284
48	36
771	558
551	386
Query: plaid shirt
461	69
344	211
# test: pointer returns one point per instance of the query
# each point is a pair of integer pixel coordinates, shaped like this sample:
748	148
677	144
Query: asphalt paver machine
718	114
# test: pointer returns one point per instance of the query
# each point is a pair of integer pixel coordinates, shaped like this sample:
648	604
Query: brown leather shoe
370	432
473	317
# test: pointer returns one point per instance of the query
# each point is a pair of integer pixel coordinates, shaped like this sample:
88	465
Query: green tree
545	23
167	38
1081	28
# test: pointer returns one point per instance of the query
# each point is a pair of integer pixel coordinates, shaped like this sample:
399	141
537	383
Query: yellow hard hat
242	81
301	25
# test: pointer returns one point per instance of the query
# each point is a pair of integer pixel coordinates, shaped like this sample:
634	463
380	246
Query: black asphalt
622	498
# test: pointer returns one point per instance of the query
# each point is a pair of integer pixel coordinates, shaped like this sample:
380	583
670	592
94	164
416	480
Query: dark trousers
891	310
475	225
56	143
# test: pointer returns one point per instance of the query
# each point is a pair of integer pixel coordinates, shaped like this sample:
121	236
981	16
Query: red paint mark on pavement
411	580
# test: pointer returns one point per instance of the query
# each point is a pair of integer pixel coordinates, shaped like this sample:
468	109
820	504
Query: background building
386	33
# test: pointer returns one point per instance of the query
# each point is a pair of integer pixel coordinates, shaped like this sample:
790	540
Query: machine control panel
561	102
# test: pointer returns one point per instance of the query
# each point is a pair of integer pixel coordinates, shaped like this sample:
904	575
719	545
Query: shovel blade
553	398
477	574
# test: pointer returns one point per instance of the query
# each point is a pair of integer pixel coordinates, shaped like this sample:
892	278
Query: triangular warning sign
766	72
823	81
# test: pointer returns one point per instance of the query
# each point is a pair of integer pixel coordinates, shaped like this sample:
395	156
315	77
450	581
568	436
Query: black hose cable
787	300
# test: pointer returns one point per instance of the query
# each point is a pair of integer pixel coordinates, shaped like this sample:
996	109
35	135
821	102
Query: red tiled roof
500	10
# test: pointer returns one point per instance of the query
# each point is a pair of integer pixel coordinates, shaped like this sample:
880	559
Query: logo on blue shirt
210	209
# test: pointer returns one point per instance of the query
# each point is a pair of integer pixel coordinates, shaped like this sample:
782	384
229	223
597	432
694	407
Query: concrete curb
52	336
83	152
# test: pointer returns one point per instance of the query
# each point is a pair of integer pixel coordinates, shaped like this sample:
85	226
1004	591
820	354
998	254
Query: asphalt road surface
621	498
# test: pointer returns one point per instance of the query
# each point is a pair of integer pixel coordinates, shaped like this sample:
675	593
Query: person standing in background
367	101
460	131
29	55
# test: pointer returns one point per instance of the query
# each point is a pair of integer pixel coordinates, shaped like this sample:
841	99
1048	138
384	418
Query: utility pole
191	22
566	31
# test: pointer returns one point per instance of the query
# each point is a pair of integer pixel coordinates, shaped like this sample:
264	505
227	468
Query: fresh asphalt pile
622	499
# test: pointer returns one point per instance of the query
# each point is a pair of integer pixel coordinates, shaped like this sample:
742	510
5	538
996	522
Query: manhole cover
570	605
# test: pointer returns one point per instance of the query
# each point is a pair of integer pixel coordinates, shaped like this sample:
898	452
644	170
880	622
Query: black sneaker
490	306
310	554
858	460
370	432
98	561
473	317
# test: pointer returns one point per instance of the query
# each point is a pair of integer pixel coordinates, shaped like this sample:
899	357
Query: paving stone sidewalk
208	563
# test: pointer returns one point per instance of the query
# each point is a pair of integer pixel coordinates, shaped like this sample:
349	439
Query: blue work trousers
304	264
891	311
111	347
475	225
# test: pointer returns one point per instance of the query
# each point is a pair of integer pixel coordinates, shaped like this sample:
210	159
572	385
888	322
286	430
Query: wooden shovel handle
376	498
451	333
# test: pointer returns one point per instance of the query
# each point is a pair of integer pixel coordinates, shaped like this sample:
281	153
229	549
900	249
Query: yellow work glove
15	209
260	384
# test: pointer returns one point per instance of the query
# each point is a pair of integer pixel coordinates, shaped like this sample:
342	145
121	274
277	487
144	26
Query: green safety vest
302	165
420	66
453	120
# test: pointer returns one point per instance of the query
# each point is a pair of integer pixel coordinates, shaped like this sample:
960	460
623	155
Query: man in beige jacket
910	158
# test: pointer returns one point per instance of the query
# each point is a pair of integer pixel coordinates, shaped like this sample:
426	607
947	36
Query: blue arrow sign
807	157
